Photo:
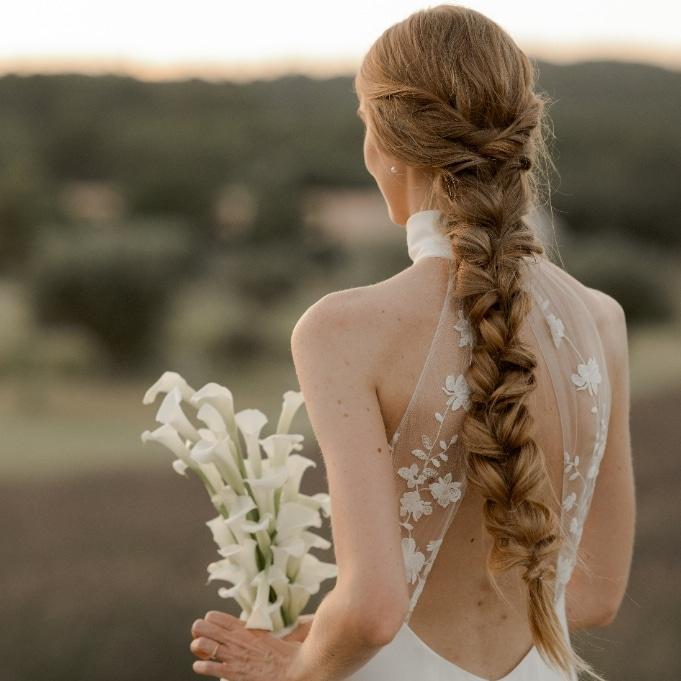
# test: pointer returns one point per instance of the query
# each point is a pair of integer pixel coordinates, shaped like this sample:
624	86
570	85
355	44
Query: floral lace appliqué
425	486
578	488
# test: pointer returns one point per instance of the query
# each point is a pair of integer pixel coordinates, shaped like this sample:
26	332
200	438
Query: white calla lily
170	413
219	454
250	422
293	518
292	401
298	598
223	498
238	592
296	465
168	381
294	545
241	589
279	445
252	526
167	436
313	540
212	476
263	487
324	501
320	501
313	571
221	399
222	535
212	418
261	531
260	617
180	467
225	570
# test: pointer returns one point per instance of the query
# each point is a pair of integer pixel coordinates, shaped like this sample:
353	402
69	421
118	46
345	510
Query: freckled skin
380	449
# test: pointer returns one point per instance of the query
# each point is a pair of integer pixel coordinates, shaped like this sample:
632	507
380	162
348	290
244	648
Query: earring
393	169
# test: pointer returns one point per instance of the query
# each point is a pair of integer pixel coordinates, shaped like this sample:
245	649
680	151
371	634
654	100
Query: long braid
484	209
448	91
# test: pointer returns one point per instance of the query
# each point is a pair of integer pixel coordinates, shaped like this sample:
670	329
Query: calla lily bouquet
262	524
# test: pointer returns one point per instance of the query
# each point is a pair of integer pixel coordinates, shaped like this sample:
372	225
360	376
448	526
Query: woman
464	407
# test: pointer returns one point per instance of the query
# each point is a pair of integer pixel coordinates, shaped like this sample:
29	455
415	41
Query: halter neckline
425	238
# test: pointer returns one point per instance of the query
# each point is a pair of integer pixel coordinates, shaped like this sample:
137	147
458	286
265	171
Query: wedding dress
572	388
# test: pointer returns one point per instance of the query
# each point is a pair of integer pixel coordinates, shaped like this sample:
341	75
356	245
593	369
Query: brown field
102	574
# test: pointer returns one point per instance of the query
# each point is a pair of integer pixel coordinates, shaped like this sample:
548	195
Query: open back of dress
570	406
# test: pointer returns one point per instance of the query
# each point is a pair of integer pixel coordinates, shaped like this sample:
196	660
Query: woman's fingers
210	630
204	647
217	669
225	620
236	641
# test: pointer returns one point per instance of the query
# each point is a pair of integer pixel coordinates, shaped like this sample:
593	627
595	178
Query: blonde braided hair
448	90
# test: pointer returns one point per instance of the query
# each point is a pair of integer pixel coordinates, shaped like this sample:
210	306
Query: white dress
427	459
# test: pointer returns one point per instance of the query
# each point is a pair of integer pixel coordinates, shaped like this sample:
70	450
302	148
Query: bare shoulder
350	323
357	326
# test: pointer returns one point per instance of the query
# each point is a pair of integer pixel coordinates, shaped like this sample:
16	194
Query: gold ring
214	653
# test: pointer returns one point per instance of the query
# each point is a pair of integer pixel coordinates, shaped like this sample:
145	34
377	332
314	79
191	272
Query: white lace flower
588	376
463	326
445	491
569	501
571	466
411	502
563	569
413	559
433	545
557	328
574	525
458	390
411	474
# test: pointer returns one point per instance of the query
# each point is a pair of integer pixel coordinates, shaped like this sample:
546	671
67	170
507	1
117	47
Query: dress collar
425	238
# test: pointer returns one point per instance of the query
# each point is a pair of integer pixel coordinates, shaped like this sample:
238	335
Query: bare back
425	350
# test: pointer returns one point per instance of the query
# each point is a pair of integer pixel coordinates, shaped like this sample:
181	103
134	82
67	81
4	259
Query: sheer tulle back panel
571	346
426	449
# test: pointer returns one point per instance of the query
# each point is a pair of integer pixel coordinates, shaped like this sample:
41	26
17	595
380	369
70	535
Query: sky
155	39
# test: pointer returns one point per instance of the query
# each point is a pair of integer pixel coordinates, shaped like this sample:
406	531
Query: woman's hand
230	651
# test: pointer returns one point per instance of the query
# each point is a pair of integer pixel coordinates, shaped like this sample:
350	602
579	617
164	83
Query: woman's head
445	92
403	186
449	100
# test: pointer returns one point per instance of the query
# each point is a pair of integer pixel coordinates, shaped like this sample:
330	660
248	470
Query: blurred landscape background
186	225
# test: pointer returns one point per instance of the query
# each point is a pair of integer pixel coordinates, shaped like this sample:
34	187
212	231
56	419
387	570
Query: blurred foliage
637	275
115	283
168	150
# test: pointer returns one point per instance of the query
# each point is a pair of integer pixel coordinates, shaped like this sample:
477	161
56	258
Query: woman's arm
339	641
594	595
335	363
